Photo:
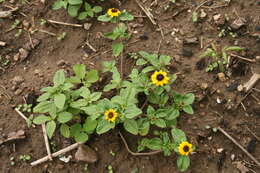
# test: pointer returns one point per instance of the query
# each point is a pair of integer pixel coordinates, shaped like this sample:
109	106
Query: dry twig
137	154
252	81
22	115
147	12
64	23
46	140
237	144
64	150
240	57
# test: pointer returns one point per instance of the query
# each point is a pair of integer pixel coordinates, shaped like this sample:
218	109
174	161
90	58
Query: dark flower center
160	77
110	115
186	148
114	10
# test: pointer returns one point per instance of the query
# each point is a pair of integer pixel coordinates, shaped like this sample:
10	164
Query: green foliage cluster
219	60
77	109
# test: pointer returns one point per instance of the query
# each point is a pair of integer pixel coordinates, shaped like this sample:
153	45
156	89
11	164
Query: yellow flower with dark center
159	78
185	148
111	115
113	12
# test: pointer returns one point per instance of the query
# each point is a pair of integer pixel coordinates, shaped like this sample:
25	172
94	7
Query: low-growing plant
219	60
114	15
25	157
118	33
62	36
77	8
143	100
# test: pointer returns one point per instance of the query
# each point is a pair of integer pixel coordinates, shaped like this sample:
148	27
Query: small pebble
221	77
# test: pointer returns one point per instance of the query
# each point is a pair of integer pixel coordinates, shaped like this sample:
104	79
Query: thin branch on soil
214	7
145	103
243	106
257	99
200	5
252	81
147	13
255	89
64	23
47	32
201	42
90	46
253	133
242	100
13	9
5	93
137	154
159	47
46	140
176	14
243	58
237	144
64	150
22	115
30	39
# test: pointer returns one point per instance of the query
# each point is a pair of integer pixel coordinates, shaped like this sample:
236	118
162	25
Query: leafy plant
219	60
118	33
77	8
25	157
62	36
115	15
79	111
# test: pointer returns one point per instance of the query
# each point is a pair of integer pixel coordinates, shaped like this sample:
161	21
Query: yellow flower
113	12
111	115
159	78
185	148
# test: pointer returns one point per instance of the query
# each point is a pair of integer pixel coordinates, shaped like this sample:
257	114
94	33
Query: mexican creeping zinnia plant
185	148
111	115
114	15
159	78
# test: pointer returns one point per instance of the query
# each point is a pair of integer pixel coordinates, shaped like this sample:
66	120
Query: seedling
15	24
118	33
25	107
110	169
43	21
18	33
219	60
25	157
112	153
12	161
62	36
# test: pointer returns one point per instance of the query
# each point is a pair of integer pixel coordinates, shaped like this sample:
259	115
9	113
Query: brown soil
45	57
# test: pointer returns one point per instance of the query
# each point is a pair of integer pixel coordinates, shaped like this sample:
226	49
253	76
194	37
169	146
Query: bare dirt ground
37	69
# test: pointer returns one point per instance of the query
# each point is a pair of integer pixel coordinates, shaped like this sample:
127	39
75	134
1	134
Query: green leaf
44	97
64	117
92	76
160	123
81	137
59	100
83	15
95	96
73	10
117	48
50	128
183	163
42	107
104	126
91	110
90	13
144	127
59	78
65	130
165	60
104	18
87	6
90	125
173	113
75	2
155	144
188	109
178	135
41	119
79	103
58	5
108	65
141	61
234	48
125	16
79	70
109	87
132	111
97	9
148	69
75	129
131	126
189	98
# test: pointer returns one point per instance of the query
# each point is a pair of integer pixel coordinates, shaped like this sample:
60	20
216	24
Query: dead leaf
241	167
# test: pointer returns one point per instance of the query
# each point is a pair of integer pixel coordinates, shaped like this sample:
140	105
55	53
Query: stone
203	14
2	43
23	53
219	19
204	86
192	40
18	92
220	150
87	26
221	77
16	57
233	157
238	23
17	80
86	154
240	88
